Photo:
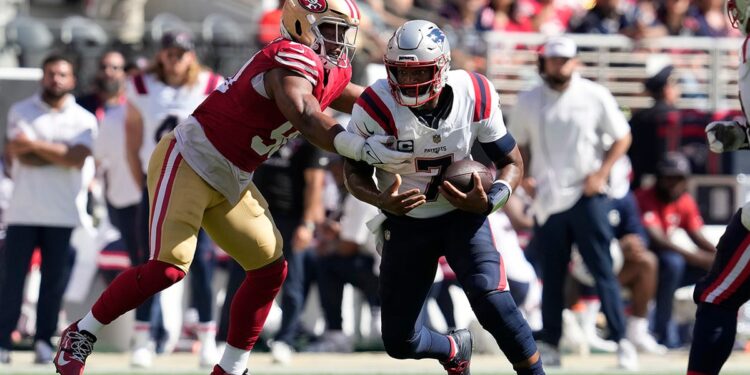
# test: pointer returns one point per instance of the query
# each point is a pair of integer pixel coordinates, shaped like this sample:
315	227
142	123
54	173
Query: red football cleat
220	371
75	347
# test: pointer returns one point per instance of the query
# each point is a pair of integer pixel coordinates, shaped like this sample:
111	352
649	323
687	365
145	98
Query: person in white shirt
49	137
107	102
560	124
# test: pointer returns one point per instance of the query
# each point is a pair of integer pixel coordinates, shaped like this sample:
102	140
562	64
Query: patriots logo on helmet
314	6
436	35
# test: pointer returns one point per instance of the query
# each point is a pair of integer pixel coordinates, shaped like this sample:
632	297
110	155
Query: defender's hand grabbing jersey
162	107
474	115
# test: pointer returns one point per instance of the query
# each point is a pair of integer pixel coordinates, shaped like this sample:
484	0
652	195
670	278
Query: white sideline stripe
160	197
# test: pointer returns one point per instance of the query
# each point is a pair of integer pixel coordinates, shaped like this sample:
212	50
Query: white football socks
234	360
89	324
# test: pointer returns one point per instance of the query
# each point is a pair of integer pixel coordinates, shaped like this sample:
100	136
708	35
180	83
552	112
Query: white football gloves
372	150
726	136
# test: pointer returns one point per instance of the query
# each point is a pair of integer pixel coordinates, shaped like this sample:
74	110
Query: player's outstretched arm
345	101
293	95
359	182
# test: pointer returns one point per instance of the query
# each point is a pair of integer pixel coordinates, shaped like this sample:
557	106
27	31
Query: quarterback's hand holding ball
475	200
726	136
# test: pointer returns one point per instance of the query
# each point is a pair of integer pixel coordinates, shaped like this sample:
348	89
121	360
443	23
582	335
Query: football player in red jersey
200	174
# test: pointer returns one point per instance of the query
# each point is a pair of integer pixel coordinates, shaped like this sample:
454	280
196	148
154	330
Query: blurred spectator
673	15
711	19
158	100
551	17
128	14
269	25
657	129
350	257
638	272
460	25
504	15
291	180
606	17
568	112
49	137
107	102
665	207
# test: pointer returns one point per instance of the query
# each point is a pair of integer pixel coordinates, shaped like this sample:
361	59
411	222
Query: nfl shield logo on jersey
436	138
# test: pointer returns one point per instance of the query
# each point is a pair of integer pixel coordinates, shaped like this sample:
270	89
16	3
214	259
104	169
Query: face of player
670	188
335	36
558	70
111	75
176	61
417	80
57	80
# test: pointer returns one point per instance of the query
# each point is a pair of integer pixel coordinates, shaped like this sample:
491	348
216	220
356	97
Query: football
459	174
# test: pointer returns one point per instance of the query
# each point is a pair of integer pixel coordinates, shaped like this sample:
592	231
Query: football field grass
370	364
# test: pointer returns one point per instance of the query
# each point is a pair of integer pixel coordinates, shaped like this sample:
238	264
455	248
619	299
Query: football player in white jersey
158	100
436	114
727	286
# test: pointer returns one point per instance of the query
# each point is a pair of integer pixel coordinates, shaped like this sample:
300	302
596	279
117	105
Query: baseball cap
179	39
560	46
673	164
657	82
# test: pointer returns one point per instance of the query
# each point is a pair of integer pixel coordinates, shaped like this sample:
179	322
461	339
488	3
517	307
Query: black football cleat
459	364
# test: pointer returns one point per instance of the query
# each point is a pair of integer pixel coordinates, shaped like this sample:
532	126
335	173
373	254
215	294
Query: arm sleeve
492	128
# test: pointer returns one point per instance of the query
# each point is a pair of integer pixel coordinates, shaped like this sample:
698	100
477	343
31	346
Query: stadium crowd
93	149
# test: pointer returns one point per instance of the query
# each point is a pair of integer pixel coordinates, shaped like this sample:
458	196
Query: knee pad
156	275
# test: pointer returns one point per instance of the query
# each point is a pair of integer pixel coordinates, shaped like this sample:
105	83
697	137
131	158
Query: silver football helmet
417	44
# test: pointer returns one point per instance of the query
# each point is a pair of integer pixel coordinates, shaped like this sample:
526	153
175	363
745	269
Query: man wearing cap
665	207
172	87
560	124
656	130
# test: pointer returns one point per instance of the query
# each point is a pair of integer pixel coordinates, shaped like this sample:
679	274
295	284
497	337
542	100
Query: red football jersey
245	126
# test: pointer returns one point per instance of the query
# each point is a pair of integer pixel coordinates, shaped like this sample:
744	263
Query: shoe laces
80	345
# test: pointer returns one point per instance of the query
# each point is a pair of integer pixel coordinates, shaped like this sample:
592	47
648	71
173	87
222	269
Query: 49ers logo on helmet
315	6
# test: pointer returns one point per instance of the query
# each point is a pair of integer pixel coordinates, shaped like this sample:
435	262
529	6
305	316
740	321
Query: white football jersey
475	115
162	107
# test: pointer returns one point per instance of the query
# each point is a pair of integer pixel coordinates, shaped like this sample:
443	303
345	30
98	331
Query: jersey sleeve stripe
375	107
211	85
299	57
299	69
481	97
140	84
